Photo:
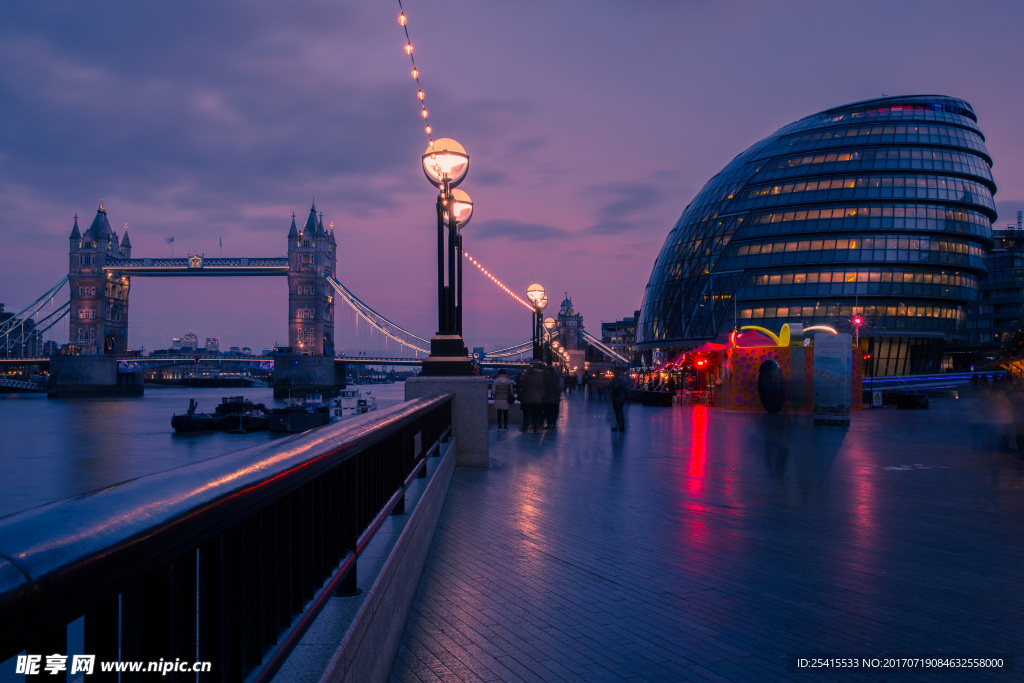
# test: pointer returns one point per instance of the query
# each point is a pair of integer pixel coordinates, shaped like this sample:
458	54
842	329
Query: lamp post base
448	357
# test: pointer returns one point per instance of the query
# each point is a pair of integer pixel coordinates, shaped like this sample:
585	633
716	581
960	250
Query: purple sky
590	126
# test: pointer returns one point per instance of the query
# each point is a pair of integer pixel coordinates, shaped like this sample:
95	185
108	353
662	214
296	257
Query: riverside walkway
705	544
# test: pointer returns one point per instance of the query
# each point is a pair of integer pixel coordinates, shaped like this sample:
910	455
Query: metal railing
227	560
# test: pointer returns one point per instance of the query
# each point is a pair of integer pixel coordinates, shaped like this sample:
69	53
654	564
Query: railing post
236	615
350	521
211	607
183	610
254	593
53	642
101	630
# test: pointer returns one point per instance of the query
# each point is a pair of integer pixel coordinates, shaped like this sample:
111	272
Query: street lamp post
445	164
462	208
535	293
549	326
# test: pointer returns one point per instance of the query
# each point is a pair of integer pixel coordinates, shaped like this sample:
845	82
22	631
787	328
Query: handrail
239	544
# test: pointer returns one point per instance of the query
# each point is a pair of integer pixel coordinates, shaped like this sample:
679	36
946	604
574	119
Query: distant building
176	343
246	351
1000	309
50	348
190	341
479	353
212	345
621	335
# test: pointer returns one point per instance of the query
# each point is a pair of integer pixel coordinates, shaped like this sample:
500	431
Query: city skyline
590	128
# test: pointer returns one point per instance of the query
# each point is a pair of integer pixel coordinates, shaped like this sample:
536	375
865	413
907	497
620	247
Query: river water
52	449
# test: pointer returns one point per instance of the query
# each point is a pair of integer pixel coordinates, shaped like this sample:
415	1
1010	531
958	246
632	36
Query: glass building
880	208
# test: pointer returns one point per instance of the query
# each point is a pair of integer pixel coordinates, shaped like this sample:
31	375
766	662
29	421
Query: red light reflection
698	451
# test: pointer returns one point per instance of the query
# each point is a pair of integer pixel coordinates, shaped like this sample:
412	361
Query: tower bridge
101	266
100	270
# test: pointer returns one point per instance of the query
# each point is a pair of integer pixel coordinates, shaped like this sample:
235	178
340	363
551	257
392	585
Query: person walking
531	395
617	388
502	391
552	395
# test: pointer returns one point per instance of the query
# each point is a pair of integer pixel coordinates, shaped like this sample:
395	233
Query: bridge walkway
705	544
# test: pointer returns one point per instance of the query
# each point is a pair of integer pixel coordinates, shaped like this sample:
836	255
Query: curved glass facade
882	207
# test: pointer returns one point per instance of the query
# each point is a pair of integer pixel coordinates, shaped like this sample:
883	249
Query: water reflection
697	466
52	449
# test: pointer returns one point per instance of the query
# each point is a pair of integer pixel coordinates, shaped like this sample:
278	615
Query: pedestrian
552	395
531	395
503	398
617	389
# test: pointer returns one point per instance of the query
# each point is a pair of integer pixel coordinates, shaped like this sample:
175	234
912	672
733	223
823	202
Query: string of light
495	280
403	21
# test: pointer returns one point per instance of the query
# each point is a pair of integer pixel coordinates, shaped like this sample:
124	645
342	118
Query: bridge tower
570	328
99	302
309	366
312	258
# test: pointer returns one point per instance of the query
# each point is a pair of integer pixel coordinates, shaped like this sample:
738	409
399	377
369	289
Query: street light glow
445	161
535	293
462	207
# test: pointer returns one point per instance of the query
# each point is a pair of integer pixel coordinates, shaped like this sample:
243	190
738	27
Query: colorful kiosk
812	377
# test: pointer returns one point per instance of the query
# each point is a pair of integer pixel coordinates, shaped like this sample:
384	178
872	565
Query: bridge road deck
705	544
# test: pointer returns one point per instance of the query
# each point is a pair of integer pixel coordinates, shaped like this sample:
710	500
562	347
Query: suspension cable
606	349
21	316
377	320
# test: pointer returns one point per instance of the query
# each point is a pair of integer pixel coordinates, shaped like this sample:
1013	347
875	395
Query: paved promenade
705	544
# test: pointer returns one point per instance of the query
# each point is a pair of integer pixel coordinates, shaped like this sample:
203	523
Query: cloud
519	231
627	207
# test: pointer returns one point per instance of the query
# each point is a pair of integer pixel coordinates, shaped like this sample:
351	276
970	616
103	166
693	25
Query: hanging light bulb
401	19
408	48
420	94
415	72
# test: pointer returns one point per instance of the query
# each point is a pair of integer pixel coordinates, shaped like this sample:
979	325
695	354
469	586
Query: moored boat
247	421
234	414
192	422
299	415
350	402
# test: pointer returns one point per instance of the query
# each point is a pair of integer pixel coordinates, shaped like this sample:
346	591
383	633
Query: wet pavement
705	544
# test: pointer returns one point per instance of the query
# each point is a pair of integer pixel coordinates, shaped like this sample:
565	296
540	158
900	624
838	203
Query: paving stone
705	544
